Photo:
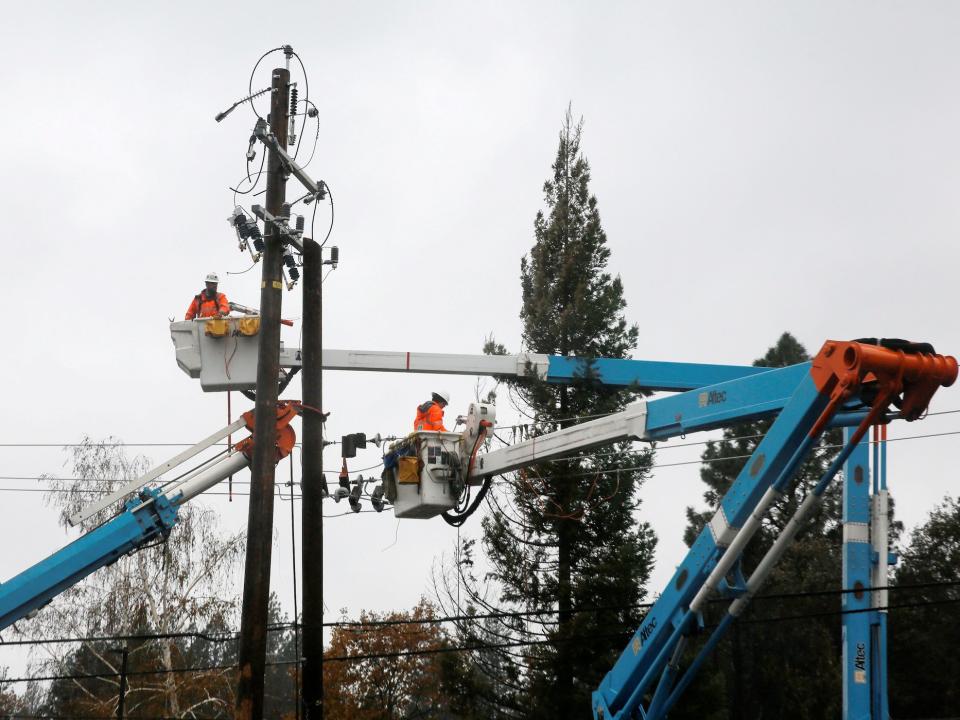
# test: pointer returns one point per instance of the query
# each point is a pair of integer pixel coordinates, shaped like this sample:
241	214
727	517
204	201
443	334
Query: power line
700	461
576	638
800	594
504	427
493	646
13	715
164	671
483	646
296	610
709	461
195	634
281	627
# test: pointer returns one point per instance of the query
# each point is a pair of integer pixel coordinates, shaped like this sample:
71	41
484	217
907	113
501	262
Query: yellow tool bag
216	327
248	326
408	470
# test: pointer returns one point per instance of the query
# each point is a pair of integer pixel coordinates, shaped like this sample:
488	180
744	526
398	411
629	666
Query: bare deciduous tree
174	587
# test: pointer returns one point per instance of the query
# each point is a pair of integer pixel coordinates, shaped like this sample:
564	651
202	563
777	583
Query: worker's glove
461	419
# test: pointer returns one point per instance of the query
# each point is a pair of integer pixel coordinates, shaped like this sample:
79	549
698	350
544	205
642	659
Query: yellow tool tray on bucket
216	327
408	470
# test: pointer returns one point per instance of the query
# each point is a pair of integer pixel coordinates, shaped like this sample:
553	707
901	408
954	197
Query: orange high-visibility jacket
429	417
205	306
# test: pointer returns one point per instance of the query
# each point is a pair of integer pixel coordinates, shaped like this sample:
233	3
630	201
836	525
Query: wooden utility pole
311	556
256	581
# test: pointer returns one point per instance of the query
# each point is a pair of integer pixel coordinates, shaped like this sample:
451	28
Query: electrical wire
252	73
133	673
253	186
316	137
187	444
242	272
314	218
140	637
374	624
709	461
306	98
296	610
800	594
624	634
591	473
208	493
476	647
479	647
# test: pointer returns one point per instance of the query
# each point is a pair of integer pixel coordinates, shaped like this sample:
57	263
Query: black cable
575	475
195	634
21	716
349	625
471	648
316	137
287	378
252	73
624	634
242	272
306	98
505	427
107	492
48	478
314	217
584	474
164	671
800	594
296	610
256	181
457	519
851	611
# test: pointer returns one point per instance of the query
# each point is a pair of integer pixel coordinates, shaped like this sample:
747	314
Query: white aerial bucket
439	482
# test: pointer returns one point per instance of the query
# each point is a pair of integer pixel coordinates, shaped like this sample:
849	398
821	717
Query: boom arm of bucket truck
148	513
848	384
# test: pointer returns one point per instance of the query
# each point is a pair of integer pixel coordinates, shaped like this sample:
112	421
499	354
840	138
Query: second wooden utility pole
256	581
312	481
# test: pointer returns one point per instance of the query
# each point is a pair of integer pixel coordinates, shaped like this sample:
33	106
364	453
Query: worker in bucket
208	302
430	414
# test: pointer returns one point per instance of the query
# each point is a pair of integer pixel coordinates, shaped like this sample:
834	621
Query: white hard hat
444	395
212	277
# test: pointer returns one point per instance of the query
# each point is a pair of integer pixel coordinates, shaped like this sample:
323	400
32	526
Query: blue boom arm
647	374
144	519
147	517
646	680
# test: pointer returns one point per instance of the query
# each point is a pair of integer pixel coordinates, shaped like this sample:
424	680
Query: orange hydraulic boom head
903	374
287	410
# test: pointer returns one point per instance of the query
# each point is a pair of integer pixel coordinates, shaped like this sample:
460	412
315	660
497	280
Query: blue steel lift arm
646	681
751	397
147	517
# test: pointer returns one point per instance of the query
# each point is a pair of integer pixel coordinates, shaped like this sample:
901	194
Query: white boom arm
121	492
230	362
630	424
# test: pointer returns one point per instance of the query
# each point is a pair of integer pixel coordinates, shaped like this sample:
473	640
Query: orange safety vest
205	306
429	417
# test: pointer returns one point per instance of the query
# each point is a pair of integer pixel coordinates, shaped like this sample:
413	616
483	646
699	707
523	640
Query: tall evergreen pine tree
564	536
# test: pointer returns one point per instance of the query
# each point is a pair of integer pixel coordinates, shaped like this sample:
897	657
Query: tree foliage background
182	587
924	631
398	673
563	540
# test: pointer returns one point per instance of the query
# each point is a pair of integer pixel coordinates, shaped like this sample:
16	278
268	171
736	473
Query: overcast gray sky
759	167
